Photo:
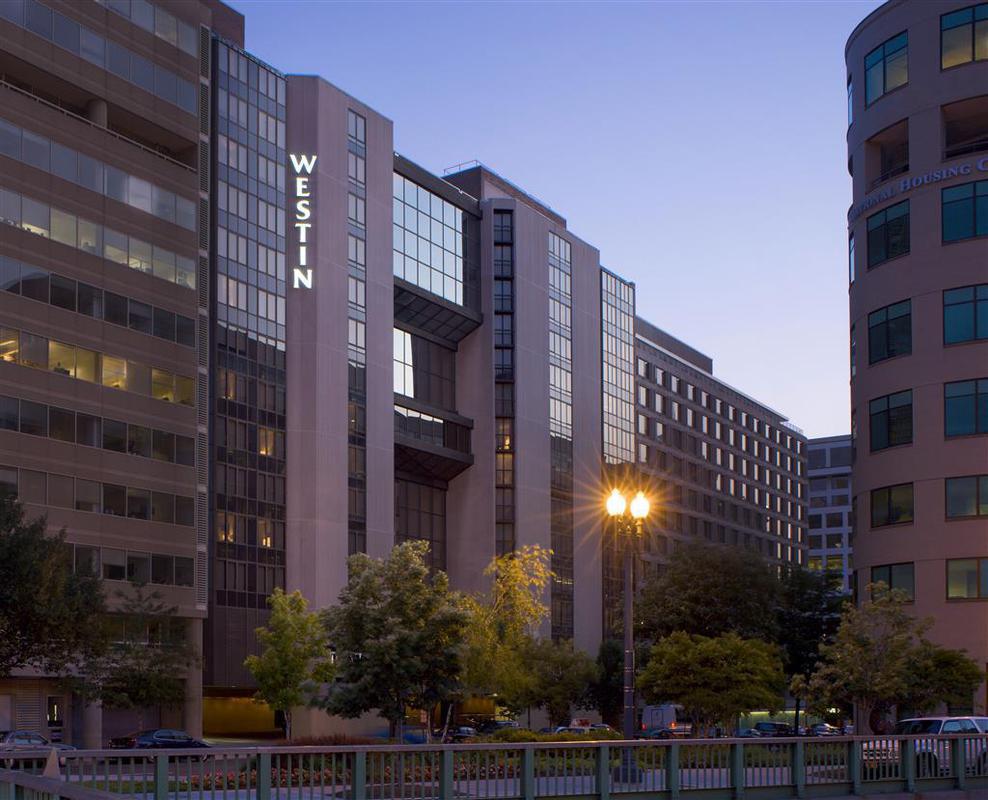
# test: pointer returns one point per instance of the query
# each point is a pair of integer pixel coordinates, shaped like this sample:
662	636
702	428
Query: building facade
830	517
241	340
918	155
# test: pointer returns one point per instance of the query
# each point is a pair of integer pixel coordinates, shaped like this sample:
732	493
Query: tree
879	660
49	614
563	679
715	679
607	689
502	626
709	590
146	665
808	615
294	655
398	636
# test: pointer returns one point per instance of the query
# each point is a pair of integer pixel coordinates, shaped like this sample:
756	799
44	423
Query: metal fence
700	768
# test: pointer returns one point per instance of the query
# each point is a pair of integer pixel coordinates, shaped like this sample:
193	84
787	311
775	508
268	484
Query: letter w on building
301	163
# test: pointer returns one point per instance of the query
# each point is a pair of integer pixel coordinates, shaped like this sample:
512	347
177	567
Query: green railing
694	769
21	785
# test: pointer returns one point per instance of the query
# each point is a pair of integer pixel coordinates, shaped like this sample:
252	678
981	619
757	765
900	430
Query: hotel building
242	339
917	143
830	517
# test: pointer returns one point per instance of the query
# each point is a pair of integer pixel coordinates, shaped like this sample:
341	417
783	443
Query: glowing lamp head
639	506
616	504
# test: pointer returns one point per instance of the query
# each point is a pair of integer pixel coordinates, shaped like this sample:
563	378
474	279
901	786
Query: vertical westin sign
302	274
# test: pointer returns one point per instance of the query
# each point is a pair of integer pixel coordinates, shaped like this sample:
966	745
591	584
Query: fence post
854	754
263	779
958	758
161	777
604	771
358	776
798	767
737	769
907	763
528	773
446	774
672	771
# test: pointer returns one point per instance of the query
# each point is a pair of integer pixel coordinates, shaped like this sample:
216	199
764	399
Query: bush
330	740
523	736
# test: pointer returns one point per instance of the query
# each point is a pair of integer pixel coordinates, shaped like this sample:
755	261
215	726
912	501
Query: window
892	505
964	211
965	127
850	258
965	314
967	496
967	579
850	101
888	153
896	576
888	234
964	36
965	407
114	564
886	67
890	332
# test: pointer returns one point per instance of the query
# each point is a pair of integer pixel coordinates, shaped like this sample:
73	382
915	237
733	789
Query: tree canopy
709	590
294	655
715	679
398	632
49	614
563	677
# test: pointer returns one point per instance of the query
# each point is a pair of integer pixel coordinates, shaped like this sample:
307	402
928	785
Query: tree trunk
288	724
795	723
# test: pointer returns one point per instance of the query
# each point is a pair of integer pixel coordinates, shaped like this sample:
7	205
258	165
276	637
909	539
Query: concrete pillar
192	710
96	112
92	726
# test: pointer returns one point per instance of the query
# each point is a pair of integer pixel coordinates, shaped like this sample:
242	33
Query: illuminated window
886	67
114	372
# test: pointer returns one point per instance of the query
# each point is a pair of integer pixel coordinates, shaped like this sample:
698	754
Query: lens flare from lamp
639	506
616	504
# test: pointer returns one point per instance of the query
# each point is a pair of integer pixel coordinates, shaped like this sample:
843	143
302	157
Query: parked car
823	729
656	733
775	729
28	740
157	739
932	755
602	727
747	733
462	733
493	725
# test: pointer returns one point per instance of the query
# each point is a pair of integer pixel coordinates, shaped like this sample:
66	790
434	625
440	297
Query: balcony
430	445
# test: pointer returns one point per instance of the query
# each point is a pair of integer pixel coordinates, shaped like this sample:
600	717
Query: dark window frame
887	324
888	491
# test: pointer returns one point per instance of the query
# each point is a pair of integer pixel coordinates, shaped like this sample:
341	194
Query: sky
699	145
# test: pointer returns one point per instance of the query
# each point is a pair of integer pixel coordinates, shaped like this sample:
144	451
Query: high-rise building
242	340
918	154
830	517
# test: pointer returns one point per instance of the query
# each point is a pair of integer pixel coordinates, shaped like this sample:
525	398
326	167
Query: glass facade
561	435
617	309
504	422
356	234
248	414
430	250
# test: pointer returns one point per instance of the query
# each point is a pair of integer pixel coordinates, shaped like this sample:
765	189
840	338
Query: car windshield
911	726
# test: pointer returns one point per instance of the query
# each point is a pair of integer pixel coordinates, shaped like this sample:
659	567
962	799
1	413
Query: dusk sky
699	145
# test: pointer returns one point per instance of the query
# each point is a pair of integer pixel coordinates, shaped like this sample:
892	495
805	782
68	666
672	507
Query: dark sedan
158	739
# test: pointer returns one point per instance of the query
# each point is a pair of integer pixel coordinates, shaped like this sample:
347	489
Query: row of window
65	491
137	567
60	226
967	578
156	20
40	352
75	427
104	53
90	173
965	412
35	283
964	497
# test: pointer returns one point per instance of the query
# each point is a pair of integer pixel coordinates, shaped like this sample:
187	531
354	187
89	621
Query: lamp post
629	518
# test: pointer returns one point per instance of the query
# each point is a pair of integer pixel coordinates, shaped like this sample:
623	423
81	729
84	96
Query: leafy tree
880	660
808	615
146	664
607	689
49	615
502	626
715	679
398	635
294	655
709	590
564	676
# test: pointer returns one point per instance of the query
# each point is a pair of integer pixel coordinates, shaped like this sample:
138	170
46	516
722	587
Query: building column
92	725
192	710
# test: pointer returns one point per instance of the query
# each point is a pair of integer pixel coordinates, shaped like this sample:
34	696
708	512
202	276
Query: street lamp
629	519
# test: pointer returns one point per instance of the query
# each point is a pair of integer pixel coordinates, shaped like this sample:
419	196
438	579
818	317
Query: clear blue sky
699	145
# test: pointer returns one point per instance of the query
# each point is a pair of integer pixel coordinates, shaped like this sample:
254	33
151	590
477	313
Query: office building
918	154
242	339
831	523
